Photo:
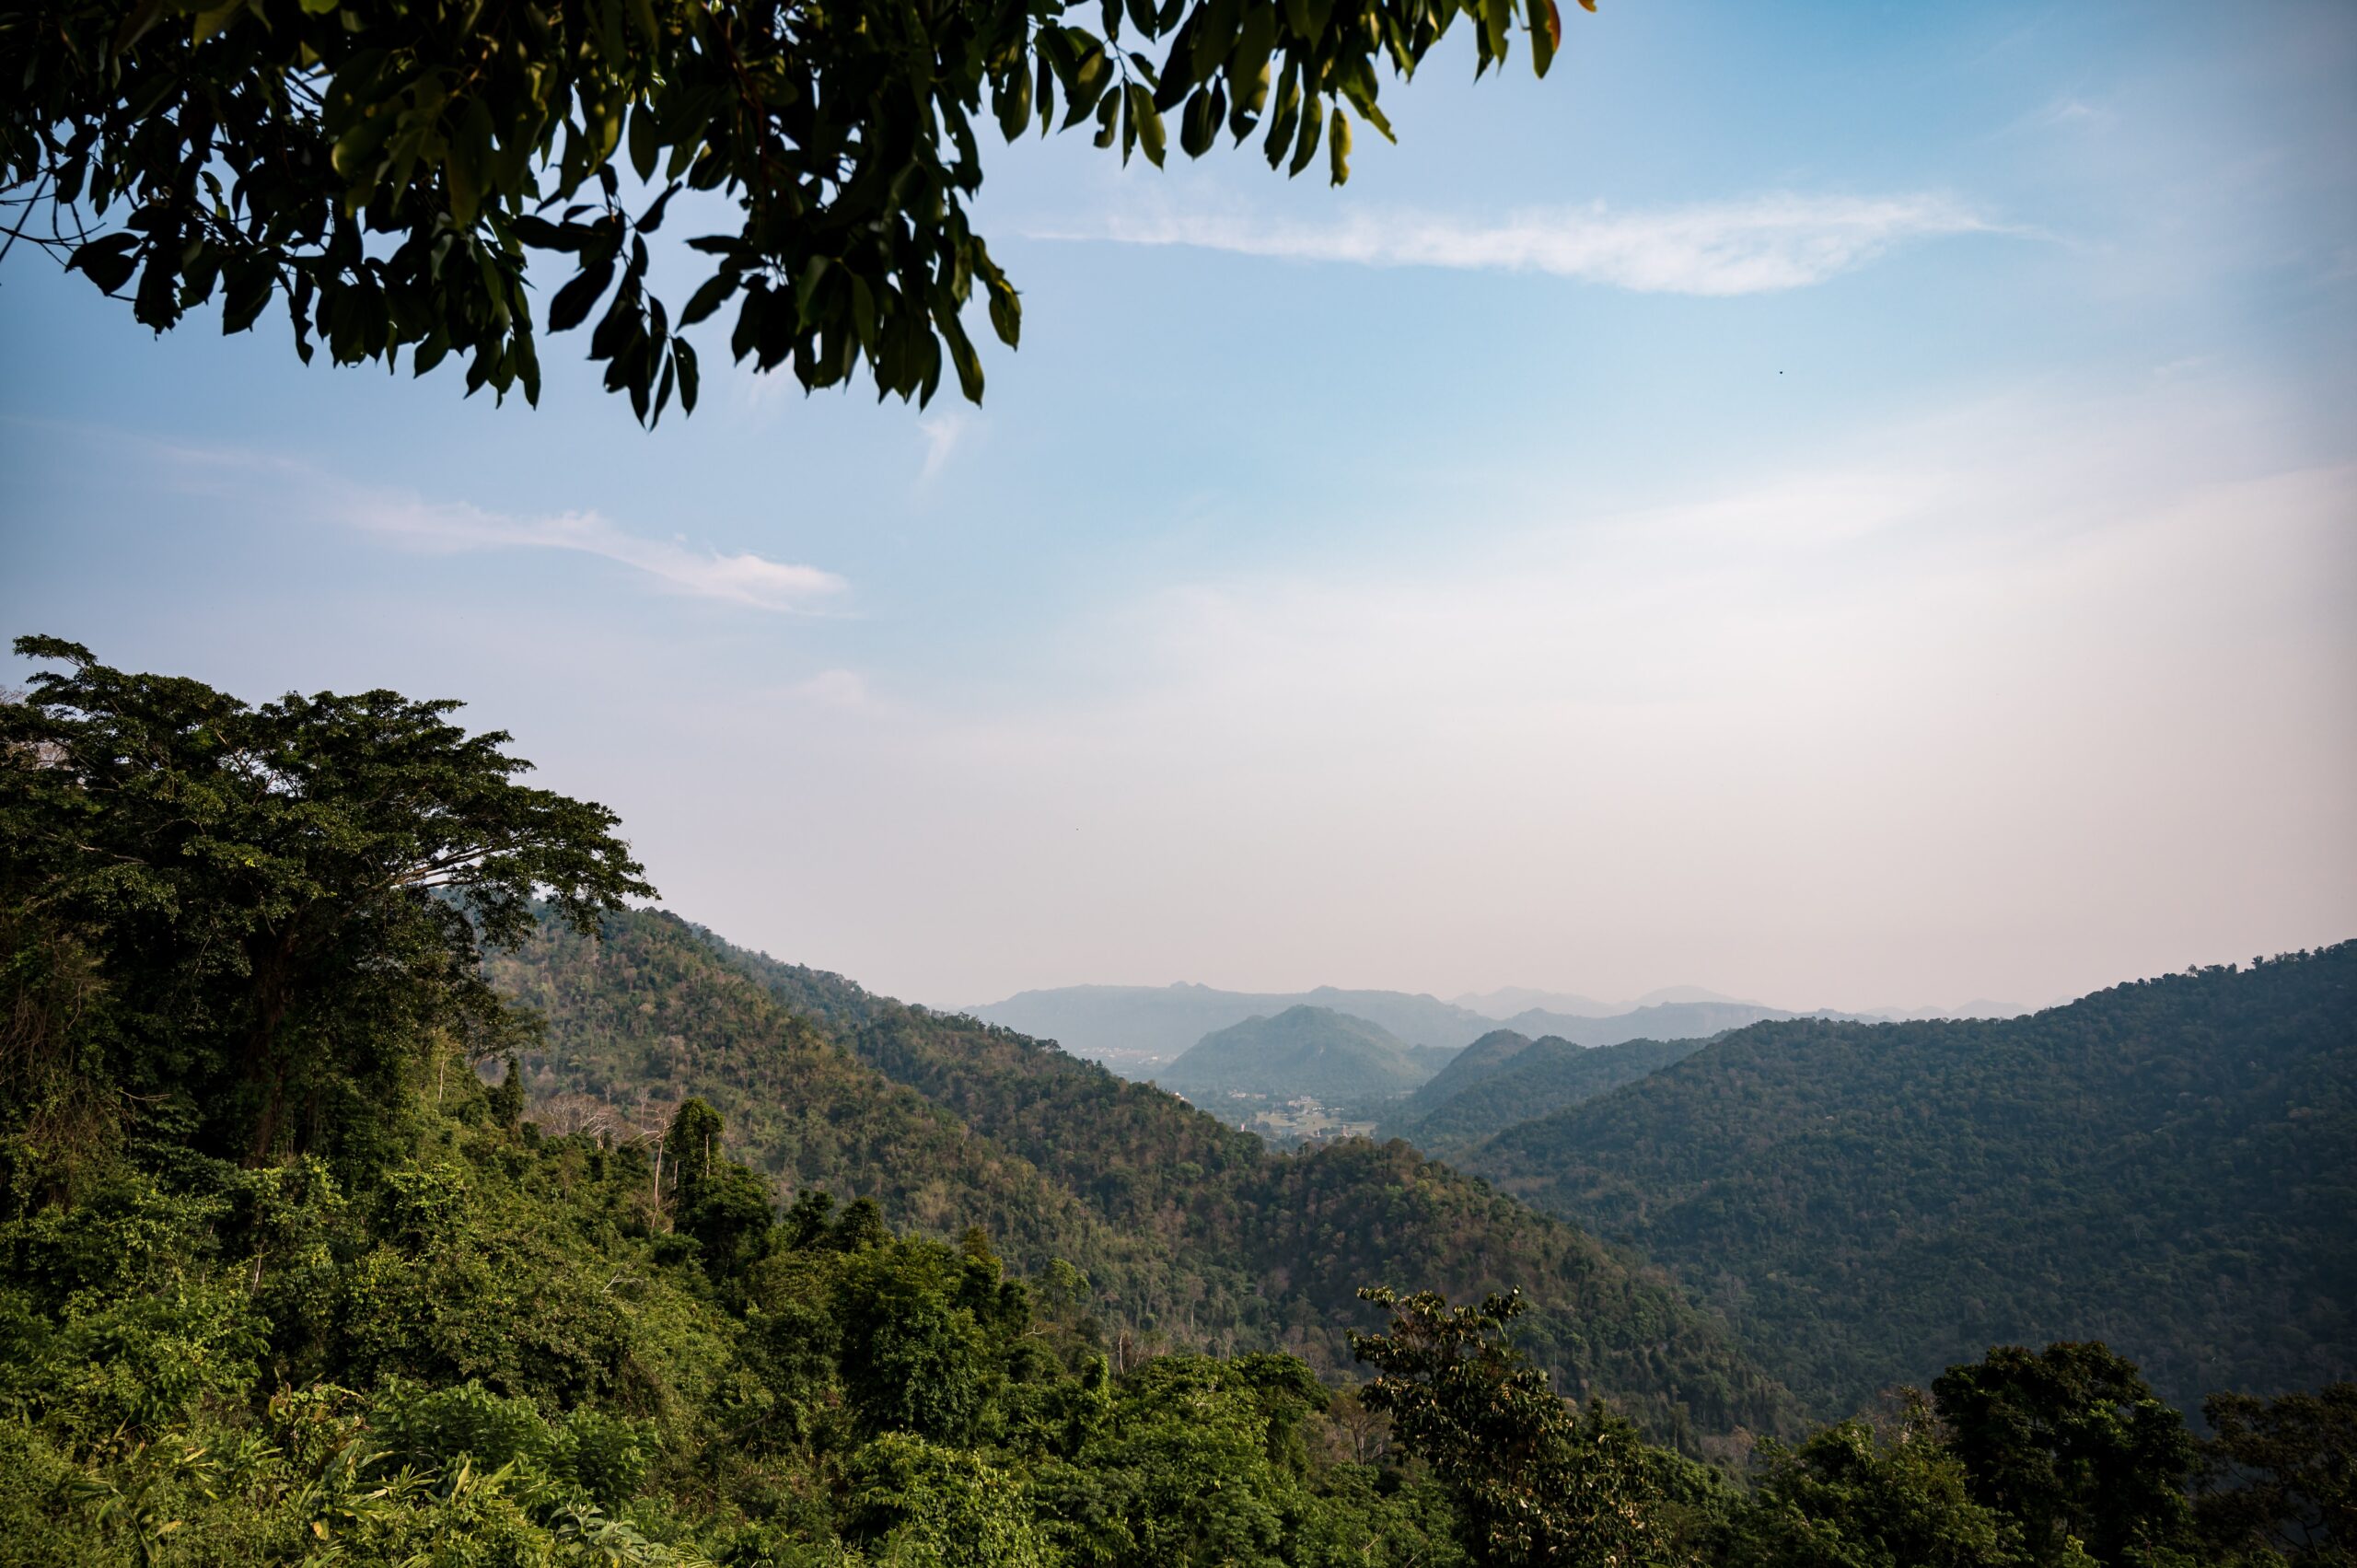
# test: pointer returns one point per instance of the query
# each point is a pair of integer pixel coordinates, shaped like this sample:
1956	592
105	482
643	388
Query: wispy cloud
1757	245
942	433
739	579
831	689
735	578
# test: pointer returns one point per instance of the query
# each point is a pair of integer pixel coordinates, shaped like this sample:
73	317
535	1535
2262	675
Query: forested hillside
643	1017
1193	1234
1478	1060
1306	1050
2169	1166
286	1278
1545	1076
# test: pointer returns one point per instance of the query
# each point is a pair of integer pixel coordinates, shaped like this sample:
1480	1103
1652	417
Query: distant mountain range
1664	1020
1508	1000
1138	1029
1130	1027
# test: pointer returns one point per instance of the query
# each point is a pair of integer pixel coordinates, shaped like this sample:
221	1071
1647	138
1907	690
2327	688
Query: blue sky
1849	505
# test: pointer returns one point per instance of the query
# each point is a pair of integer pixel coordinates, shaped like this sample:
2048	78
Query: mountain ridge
1197	1236
1547	1075
1133	1023
2169	1166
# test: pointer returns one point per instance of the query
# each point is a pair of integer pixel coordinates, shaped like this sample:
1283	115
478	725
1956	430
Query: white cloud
738	578
1758	245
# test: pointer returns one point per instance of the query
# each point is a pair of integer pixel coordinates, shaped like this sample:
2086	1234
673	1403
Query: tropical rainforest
378	1187
2169	1166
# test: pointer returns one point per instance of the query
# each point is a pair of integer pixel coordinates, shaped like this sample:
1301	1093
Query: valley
512	1211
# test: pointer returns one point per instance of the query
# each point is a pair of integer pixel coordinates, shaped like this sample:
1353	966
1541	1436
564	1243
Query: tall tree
2072	1443
387	167
2281	1475
284	900
1853	1497
1536	1485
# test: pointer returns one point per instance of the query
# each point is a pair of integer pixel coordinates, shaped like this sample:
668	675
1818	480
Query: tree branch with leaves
387	170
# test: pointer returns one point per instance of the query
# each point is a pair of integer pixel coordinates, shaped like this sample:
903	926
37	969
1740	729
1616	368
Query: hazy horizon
1847	509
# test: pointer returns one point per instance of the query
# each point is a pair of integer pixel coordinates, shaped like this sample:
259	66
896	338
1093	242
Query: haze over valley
1134	1029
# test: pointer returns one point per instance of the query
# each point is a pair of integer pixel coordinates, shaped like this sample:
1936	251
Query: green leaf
962	354
1216	41
1197	127
1252	94
355	151
1013	99
1149	123
1255	41
1092	72
646	141
1179	71
1307	147
1497	16
573	302
1282	125
249	287
805	287
862	313
107	261
714	293
1006	314
207	23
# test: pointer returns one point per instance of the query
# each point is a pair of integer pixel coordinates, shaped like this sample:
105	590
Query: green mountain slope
2169	1166
1550	1074
1316	1052
1127	1024
1484	1057
648	1016
1193	1232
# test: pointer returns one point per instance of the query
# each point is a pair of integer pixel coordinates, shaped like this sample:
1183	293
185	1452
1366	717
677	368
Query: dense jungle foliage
1545	1075
2169	1166
285	1276
1193	1235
